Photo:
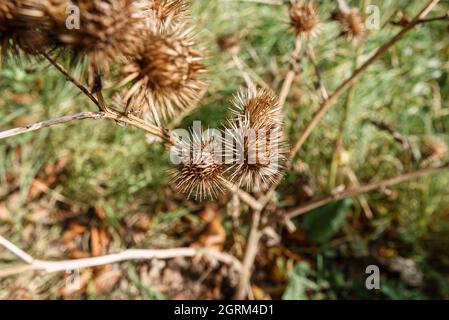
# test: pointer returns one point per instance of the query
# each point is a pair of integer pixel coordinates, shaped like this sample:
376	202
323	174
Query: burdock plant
257	148
352	22
147	49
21	24
165	75
108	30
304	19
161	69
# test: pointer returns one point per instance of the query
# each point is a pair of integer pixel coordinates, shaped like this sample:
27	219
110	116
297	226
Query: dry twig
48	123
363	189
251	249
130	254
333	98
294	69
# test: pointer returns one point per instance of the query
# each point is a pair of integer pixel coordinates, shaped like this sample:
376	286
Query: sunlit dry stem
343	6
140	124
130	254
364	189
265	199
287	84
71	78
114	115
238	63
310	52
249	257
44	124
326	105
101	104
243	195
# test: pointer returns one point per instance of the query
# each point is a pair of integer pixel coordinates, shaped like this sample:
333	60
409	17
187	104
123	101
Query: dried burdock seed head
107	29
200	172
20	24
256	151
162	15
229	42
260	107
304	19
256	154
166	75
433	149
352	23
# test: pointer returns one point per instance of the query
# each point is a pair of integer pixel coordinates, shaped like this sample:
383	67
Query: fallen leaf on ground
107	280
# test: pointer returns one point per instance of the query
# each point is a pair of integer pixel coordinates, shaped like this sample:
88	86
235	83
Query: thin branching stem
293	71
48	123
333	98
71	78
310	52
364	189
108	113
130	254
239	64
327	103
249	257
338	145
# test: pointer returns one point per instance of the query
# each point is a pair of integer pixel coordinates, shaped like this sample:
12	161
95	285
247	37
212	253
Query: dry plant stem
86	115
140	124
130	254
338	146
351	80
362	198
244	196
310	52
287	84
251	78
363	189
52	122
441	18
108	112
250	255
422	21
343	6
239	64
72	79
114	115
270	193
396	135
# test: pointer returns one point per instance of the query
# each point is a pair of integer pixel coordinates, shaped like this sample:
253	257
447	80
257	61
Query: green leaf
297	287
299	283
322	223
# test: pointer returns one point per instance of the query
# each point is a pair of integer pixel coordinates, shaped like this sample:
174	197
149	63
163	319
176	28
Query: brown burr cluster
249	153
20	23
257	151
201	169
165	74
304	19
352	23
107	30
161	65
